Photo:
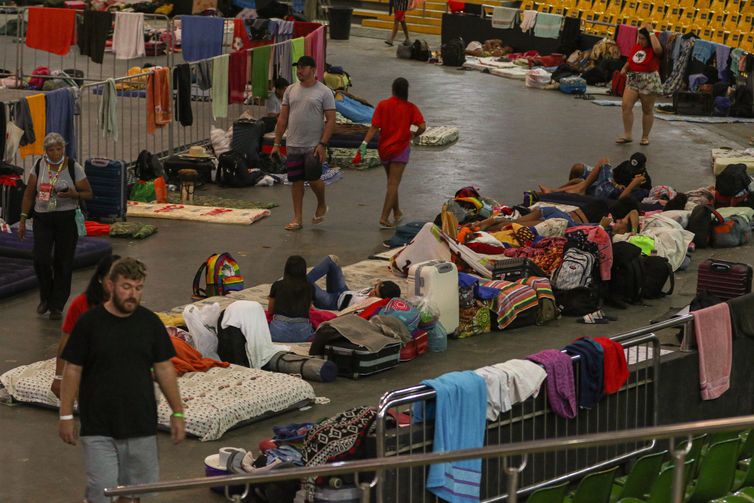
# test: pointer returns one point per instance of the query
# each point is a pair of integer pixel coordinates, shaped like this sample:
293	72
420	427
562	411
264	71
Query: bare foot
545	190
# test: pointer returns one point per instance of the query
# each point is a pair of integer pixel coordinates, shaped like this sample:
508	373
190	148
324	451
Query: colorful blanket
513	299
196	213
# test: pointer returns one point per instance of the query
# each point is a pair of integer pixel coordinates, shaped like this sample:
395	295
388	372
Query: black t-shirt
292	303
117	396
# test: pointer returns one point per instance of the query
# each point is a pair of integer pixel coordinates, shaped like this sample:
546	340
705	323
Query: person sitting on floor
272	107
289	302
336	296
94	295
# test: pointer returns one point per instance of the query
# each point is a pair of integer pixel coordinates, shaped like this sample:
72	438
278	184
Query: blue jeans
283	329
335	284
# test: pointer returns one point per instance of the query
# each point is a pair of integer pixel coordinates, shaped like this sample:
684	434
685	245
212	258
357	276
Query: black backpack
148	166
700	223
233	170
628	275
454	52
420	50
743	103
657	272
732	180
579	301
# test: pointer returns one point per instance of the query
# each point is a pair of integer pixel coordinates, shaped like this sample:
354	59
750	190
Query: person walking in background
307	112
642	84
109	361
393	118
398	8
55	187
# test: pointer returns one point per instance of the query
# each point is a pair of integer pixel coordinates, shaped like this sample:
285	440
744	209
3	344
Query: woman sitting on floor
289	302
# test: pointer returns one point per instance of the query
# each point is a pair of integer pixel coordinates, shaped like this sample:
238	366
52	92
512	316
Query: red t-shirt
394	117
643	59
78	306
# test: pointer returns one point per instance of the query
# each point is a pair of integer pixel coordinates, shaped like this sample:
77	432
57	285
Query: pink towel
626	38
314	46
715	342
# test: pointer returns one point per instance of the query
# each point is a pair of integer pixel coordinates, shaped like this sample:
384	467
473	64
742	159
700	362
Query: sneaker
56	315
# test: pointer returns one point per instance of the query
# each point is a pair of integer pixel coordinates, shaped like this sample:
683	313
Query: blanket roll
311	369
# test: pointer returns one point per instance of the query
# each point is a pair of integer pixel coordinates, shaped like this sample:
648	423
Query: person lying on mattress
94	295
336	295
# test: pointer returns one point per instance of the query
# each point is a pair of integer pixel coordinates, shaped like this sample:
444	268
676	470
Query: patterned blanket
197	213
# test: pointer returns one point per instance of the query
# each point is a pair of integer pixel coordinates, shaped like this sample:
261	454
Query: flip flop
398	219
386	226
644	141
389	43
321	218
294	226
623	141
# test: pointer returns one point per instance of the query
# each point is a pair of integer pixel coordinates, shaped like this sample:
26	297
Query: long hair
294	276
95	292
400	88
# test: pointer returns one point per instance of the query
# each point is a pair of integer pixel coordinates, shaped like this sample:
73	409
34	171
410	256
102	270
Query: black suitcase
686	103
109	181
513	269
12	189
724	280
247	138
174	163
355	361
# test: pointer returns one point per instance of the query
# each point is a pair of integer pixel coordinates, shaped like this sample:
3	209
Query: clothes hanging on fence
220	86
561	389
51	30
548	25
37	117
722	53
158	99
3	129
318	51
59	112
182	87
626	39
591	368
303	28
528	20
735	57
108	110
260	71
93	34
569	37
504	18
283	52
128	36
714	339
203	72
297	50
703	50
241	38
615	370
237	75
13	136
201	37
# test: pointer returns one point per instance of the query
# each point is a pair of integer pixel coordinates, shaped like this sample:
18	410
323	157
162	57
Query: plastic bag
143	192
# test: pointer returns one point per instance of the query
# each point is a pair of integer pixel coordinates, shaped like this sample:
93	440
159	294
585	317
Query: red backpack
37	82
618	83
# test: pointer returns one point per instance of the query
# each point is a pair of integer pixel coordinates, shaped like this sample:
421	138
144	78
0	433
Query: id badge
45	191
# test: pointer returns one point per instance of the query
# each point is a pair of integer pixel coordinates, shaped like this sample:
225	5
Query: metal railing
652	434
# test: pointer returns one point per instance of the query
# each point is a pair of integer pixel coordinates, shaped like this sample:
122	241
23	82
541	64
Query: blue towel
703	50
548	25
201	37
460	420
59	111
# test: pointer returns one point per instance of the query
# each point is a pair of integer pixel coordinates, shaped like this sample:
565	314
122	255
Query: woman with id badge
56	185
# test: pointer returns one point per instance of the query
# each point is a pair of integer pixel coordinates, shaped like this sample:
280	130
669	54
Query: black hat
306	61
639	161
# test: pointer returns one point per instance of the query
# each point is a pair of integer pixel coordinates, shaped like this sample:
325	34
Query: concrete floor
511	139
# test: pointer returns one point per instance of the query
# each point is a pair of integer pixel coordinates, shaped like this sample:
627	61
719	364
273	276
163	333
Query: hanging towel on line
237	75
158	99
297	50
93	35
203	71
59	112
504	17
626	39
220	86
108	110
260	61
703	50
714	340
528	20
241	38
548	25
51	30
128	36
182	86
37	116
201	37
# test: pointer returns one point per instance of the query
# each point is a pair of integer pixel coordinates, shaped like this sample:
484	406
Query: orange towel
158	99
38	109
51	30
188	359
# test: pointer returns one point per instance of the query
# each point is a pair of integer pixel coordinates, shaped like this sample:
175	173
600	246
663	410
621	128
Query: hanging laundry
570	36
735	58
237	76
504	18
3	129
297	50
303	28
203	72
158	99
201	37
220	86
703	50
561	388
182	85
128	36
35	105
93	34
108	110
548	25
260	76
241	38
51	30
59	112
318	49
283	58
528	20
722	54
13	136
626	39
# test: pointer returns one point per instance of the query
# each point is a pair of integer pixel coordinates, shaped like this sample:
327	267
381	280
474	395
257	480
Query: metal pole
512	477
679	457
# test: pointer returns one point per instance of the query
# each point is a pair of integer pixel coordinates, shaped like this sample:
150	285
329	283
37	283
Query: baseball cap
305	61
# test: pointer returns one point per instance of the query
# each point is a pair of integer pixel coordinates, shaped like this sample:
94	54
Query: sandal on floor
387	226
321	218
398	219
644	141
623	141
388	42
294	226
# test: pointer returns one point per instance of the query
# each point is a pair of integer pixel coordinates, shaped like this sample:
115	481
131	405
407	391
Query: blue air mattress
354	110
89	251
16	275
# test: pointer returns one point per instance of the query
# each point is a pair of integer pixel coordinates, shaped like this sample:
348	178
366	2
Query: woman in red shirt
642	83
94	295
393	118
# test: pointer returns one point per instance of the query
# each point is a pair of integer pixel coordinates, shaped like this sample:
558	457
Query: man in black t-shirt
109	361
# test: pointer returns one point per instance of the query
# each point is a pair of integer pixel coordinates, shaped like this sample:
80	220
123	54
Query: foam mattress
16	275
88	250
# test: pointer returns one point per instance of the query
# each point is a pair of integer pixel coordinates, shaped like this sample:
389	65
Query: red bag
618	84
554	59
38	82
415	347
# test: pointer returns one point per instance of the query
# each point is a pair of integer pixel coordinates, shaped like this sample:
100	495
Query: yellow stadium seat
543	8
644	10
704	16
687	4
527	5
747	7
707	33
731	21
734	6
718	5
688	17
600	6
584	5
719	36
745	24
703	4
734	38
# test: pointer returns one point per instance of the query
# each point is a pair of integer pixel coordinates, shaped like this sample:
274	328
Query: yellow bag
337	81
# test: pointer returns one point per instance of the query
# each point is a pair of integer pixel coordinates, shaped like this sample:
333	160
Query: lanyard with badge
47	191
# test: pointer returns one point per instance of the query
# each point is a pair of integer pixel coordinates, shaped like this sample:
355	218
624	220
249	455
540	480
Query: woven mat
196	213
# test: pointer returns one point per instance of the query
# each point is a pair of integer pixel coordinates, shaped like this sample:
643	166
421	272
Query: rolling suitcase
109	181
247	138
437	281
724	280
12	189
174	163
355	361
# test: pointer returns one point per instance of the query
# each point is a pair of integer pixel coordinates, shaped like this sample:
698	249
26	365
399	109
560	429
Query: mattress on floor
518	73
16	275
215	401
721	157
89	250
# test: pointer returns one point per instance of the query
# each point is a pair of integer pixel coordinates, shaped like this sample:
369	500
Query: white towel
201	322
525	378
248	316
498	395
128	36
528	20
504	17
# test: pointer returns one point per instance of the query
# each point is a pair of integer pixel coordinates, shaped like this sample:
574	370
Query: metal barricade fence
633	406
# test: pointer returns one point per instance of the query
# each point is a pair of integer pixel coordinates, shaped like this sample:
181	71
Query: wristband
178	414
57	378
69	417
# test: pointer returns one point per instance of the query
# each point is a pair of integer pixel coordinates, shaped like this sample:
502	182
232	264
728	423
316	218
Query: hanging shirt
643	59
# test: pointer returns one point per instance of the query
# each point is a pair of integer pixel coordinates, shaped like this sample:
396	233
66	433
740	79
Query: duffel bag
310	368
